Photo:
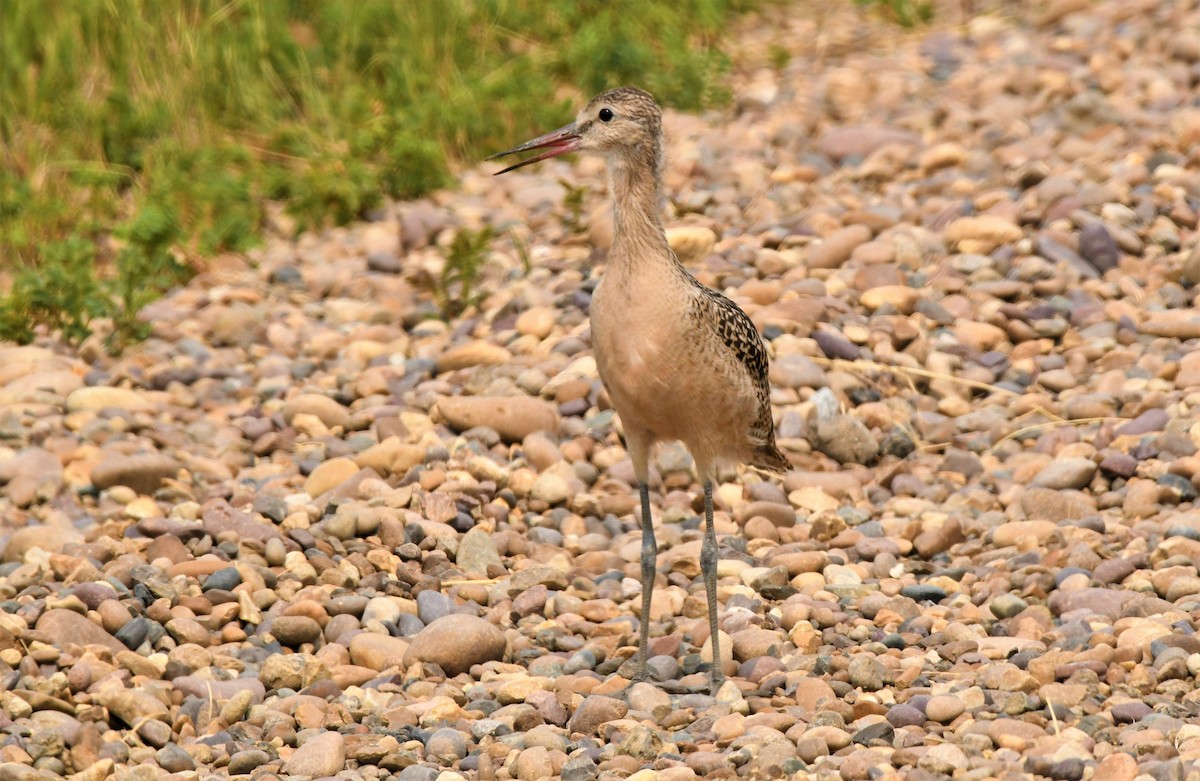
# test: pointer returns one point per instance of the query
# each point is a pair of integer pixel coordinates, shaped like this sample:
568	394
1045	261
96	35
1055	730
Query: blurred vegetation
906	13
139	135
457	287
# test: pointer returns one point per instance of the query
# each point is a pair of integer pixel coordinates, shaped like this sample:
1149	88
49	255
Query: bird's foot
717	681
635	670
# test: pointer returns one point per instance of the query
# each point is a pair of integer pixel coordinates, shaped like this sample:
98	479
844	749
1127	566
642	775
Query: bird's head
620	123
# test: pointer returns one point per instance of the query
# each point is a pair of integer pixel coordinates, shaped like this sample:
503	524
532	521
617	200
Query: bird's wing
737	331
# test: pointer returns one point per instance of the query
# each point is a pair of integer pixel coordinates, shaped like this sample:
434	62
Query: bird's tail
771	458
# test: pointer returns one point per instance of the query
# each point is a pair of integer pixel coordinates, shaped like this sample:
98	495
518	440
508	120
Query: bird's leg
708	565
649	562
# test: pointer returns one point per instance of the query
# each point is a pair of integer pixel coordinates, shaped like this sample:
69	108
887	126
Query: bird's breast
633	332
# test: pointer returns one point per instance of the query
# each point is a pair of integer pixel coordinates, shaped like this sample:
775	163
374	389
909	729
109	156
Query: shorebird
679	361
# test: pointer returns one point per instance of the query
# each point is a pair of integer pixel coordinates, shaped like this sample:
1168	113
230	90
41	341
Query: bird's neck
639	243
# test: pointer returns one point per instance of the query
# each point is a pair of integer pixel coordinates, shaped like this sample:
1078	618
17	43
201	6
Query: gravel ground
307	531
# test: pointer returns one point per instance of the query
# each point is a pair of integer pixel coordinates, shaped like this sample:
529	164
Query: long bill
556	143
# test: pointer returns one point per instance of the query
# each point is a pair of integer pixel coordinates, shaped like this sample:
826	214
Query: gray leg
708	565
649	568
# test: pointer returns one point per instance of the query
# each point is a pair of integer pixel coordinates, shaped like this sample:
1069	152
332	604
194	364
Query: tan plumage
679	361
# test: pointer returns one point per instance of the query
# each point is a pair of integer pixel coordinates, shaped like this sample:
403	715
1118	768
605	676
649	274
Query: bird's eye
606	115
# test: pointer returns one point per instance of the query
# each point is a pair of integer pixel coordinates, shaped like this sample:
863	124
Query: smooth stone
944	708
132	706
691	243
292	631
1117	766
432	605
446	745
61	627
981	234
1007	605
1130	712
378	651
1020	533
1098	247
923	592
381	609
329	475
197	686
900	297
594	711
319	756
1113	570
846	440
390	457
174	759
220	518
1053	505
1100	601
476	353
186	630
1149	421
245	761
457	642
325	409
904	715
836	248
51	539
813	694
1066	473
536	321
224	579
861	140
144	472
34	462
512	417
477	552
1176	324
100	397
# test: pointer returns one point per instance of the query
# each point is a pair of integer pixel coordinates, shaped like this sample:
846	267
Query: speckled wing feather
737	331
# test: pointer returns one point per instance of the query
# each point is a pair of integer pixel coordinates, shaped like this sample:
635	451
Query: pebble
512	417
60	627
47	538
981	234
477	353
292	631
594	711
456	642
247	760
835	249
321	755
944	708
846	440
329	475
143	472
1066	473
323	408
102	397
691	243
376	651
860	141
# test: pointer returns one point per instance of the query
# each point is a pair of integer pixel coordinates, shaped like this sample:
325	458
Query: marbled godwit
679	361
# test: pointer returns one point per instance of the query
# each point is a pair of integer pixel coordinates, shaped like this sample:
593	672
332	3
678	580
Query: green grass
457	287
906	13
138	137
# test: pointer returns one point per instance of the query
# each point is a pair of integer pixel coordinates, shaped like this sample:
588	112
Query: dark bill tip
558	142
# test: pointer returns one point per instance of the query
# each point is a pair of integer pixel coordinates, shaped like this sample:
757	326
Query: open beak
556	143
